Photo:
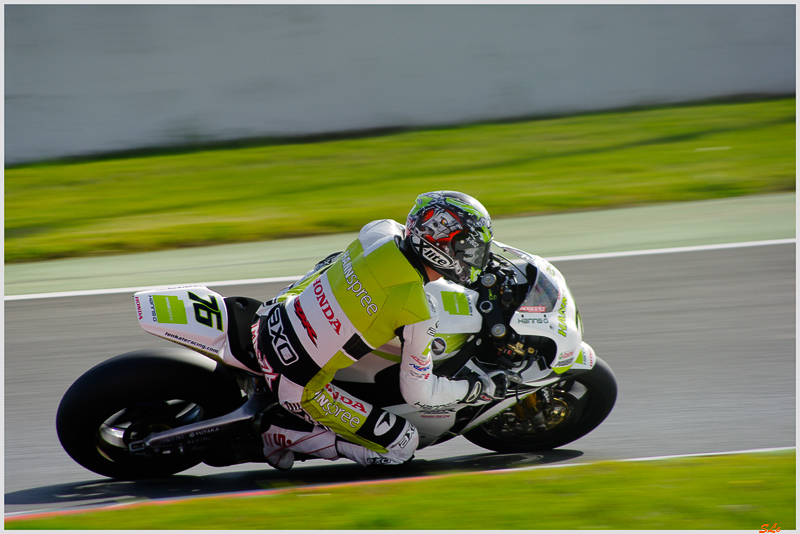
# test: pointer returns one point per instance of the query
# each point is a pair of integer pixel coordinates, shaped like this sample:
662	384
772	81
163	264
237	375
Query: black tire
590	397
145	390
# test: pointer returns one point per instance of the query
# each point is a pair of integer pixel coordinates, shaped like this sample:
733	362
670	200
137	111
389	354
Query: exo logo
409	435
280	343
266	368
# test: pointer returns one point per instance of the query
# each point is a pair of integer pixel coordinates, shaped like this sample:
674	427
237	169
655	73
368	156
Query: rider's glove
485	388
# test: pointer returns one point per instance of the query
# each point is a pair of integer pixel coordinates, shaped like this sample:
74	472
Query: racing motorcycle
153	413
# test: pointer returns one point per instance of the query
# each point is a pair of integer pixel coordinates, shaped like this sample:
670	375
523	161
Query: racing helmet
451	233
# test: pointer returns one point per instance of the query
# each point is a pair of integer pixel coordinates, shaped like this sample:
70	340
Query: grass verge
741	492
55	210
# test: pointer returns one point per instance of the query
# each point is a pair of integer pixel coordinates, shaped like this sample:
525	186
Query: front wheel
130	396
575	407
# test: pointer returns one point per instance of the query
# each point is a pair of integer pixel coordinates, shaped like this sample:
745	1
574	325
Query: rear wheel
128	397
574	408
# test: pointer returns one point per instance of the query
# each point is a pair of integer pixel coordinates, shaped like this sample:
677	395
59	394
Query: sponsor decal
562	317
294	407
566	355
425	361
169	309
532	320
206	310
355	404
565	359
439	411
407	437
565	362
385	423
378	460
336	411
456	303
419	376
354	285
273	439
420	372
433	255
138	308
298	310
533	309
438	346
431	407
280	343
325	306
475	393
203	432
588	357
266	368
190	342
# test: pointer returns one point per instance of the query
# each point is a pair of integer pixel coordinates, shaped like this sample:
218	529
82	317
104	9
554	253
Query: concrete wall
83	79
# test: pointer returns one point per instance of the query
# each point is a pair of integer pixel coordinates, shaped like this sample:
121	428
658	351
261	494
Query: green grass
594	161
713	493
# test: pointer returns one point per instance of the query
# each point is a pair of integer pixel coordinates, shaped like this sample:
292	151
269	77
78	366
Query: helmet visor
471	251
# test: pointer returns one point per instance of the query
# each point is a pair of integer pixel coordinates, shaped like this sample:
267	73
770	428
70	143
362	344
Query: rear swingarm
204	434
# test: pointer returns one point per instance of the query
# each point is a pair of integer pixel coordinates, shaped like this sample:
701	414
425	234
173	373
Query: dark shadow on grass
100	492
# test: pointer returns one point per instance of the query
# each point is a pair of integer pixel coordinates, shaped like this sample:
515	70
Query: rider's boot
400	451
279	444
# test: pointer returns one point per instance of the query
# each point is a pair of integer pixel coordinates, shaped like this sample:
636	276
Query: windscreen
541	298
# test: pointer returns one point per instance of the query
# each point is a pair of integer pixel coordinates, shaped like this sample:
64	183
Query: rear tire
132	395
590	396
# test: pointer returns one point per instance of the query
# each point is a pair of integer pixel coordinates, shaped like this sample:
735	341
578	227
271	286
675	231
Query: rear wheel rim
137	421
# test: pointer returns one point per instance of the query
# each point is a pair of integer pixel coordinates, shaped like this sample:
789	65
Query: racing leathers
371	293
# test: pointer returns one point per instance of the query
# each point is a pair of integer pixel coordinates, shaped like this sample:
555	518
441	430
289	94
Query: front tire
132	395
584	401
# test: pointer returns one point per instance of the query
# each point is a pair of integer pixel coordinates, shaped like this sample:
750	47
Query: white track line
673	250
287	279
645	459
90	292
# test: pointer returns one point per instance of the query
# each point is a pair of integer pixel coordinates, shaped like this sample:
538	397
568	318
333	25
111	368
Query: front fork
541	409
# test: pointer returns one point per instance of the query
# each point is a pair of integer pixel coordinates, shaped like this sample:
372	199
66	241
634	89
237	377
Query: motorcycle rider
348	306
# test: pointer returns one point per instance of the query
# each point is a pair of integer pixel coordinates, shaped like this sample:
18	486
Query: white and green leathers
369	295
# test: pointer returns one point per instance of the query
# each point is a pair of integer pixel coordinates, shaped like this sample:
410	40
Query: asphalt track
702	342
